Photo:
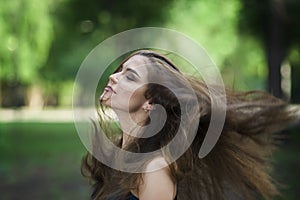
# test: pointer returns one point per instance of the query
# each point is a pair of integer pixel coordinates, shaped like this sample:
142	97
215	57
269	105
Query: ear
147	106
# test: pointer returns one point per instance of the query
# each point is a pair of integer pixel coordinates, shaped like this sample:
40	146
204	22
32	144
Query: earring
147	107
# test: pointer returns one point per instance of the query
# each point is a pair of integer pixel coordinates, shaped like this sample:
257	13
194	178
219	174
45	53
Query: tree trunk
276	47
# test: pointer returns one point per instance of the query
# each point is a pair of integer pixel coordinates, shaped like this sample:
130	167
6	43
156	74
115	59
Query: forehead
138	63
136	60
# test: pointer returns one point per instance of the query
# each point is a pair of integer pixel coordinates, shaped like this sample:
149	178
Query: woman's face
126	88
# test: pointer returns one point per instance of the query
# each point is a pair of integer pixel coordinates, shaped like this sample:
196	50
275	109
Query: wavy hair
237	167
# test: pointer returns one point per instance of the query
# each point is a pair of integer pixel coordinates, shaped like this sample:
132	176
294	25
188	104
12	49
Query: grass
42	161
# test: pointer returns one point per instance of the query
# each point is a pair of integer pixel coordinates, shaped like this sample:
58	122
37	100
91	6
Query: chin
105	103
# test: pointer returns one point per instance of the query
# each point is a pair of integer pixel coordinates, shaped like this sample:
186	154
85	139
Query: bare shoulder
156	164
157	183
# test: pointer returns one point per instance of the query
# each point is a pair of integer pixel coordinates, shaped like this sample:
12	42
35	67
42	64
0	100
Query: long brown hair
237	167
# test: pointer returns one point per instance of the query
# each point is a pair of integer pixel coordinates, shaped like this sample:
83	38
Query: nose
114	78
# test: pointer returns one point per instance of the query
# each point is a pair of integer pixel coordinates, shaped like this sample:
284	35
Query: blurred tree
81	25
276	24
211	23
214	25
45	41
26	34
294	59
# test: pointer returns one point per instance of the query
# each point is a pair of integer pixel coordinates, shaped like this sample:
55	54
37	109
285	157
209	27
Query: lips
109	89
107	93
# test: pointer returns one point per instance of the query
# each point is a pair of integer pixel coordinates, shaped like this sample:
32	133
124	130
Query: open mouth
109	89
107	92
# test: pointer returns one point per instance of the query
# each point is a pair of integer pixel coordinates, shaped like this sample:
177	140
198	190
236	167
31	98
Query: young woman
155	102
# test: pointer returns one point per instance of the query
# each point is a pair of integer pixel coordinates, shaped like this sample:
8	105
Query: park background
254	43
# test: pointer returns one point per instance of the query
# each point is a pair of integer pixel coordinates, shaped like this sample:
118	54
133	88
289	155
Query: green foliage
44	42
254	18
81	25
275	24
26	35
213	24
245	68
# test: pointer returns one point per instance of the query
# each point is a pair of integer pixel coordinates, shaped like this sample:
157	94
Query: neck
131	124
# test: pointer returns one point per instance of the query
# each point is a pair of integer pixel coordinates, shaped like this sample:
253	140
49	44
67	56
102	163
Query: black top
130	196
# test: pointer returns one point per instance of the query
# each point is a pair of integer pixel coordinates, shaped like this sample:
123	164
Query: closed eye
131	74
131	78
132	71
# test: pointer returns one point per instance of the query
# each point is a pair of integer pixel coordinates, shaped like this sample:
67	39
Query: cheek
125	99
136	100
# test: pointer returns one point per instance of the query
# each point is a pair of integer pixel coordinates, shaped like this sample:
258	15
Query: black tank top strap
130	196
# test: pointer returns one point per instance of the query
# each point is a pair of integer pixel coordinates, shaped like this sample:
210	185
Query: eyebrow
133	71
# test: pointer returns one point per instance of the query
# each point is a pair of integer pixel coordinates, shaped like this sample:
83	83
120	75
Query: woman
236	168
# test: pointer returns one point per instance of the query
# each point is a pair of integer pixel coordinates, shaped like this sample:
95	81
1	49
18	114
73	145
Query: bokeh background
255	44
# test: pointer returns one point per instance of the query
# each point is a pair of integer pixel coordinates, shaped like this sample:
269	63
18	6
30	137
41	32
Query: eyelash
129	78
